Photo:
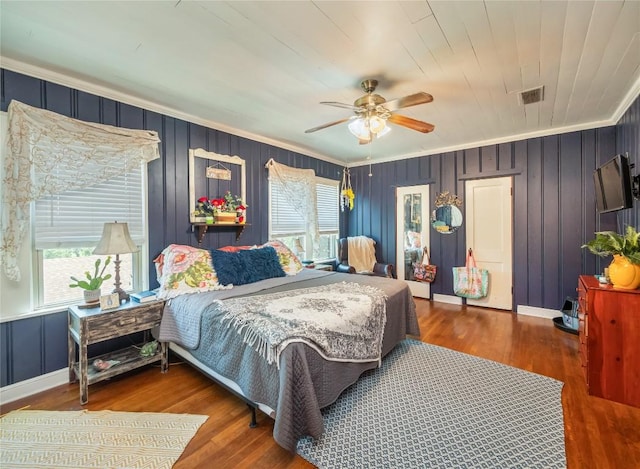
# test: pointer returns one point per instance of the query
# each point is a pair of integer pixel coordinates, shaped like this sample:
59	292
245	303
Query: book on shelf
144	296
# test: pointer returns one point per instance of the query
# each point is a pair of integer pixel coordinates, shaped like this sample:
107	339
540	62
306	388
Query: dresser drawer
119	323
583	329
582	299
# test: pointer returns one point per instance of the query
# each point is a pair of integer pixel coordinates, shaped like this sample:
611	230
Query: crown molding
83	85
624	105
627	101
484	143
105	92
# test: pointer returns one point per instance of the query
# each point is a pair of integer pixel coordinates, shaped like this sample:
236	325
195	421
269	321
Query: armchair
379	269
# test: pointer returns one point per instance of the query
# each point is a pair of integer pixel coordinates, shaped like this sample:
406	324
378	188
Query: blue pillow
246	266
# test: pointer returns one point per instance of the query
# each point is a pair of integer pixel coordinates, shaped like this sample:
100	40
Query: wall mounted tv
612	182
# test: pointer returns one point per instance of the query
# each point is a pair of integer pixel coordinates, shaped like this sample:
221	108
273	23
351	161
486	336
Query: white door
412	234
489	233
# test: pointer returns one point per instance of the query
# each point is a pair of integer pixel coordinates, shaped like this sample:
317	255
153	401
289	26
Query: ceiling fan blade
411	100
324	126
410	123
342	105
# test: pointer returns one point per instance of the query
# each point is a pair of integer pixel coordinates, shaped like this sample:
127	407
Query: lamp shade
115	240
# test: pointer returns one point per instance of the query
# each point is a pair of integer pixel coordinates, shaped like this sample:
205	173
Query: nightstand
89	326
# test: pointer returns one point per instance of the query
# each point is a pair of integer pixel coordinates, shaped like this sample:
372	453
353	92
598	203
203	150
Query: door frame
486	301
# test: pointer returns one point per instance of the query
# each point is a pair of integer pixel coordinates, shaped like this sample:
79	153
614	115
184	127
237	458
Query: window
288	226
68	226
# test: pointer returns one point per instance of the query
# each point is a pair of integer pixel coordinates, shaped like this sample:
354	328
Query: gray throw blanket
305	381
342	322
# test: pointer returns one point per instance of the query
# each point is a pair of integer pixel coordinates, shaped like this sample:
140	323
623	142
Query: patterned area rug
79	439
431	407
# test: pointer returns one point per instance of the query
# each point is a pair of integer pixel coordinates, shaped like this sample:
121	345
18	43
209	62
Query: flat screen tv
612	182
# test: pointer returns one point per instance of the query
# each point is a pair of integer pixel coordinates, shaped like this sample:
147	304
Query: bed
291	383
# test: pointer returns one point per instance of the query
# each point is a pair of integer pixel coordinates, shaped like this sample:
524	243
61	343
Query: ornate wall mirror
211	175
446	218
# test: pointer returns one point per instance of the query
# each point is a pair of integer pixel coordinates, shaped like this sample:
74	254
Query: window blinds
286	221
75	218
328	203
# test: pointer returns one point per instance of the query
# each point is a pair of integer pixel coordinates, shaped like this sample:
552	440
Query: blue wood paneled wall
628	141
553	202
35	346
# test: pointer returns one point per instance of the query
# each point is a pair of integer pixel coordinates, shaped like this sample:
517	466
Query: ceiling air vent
534	95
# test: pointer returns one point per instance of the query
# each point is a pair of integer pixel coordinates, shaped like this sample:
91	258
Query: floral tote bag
424	271
470	281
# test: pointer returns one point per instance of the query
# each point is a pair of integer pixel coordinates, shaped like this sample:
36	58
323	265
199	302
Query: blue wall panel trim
628	142
554	205
55	348
5	357
26	349
552	195
35	346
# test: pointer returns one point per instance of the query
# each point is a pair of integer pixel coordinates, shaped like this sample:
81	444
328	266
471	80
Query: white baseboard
31	386
452	300
539	312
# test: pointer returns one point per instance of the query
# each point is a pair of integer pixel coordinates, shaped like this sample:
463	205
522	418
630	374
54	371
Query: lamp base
123	295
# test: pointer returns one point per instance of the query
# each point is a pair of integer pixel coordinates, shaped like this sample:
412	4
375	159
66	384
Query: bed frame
226	383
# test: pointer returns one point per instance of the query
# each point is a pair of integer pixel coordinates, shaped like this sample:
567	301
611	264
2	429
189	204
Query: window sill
33	314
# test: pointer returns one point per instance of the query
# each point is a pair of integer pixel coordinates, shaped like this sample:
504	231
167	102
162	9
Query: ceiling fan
373	112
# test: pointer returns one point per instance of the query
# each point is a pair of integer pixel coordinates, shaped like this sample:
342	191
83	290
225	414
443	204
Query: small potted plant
624	270
91	285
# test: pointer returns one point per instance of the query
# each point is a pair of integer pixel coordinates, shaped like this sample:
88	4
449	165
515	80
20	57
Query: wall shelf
201	228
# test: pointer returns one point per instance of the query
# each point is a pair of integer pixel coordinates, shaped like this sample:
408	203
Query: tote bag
470	281
424	271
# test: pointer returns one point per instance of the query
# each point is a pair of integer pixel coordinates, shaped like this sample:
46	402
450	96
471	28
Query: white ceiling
260	68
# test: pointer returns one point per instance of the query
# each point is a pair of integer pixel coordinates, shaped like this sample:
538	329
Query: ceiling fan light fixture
373	113
364	128
376	124
384	131
359	127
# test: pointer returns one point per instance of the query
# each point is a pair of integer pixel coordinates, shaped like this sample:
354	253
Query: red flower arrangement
226	203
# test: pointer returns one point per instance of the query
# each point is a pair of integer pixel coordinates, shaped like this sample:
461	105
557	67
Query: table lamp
116	240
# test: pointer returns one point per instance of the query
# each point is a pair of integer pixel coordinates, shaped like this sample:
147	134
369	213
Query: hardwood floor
598	433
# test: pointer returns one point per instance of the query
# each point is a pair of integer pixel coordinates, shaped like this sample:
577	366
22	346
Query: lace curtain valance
300	187
47	154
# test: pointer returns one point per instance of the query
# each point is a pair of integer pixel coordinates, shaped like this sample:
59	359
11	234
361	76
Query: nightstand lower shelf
129	359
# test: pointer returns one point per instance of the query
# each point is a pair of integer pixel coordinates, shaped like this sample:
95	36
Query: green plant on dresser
624	270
